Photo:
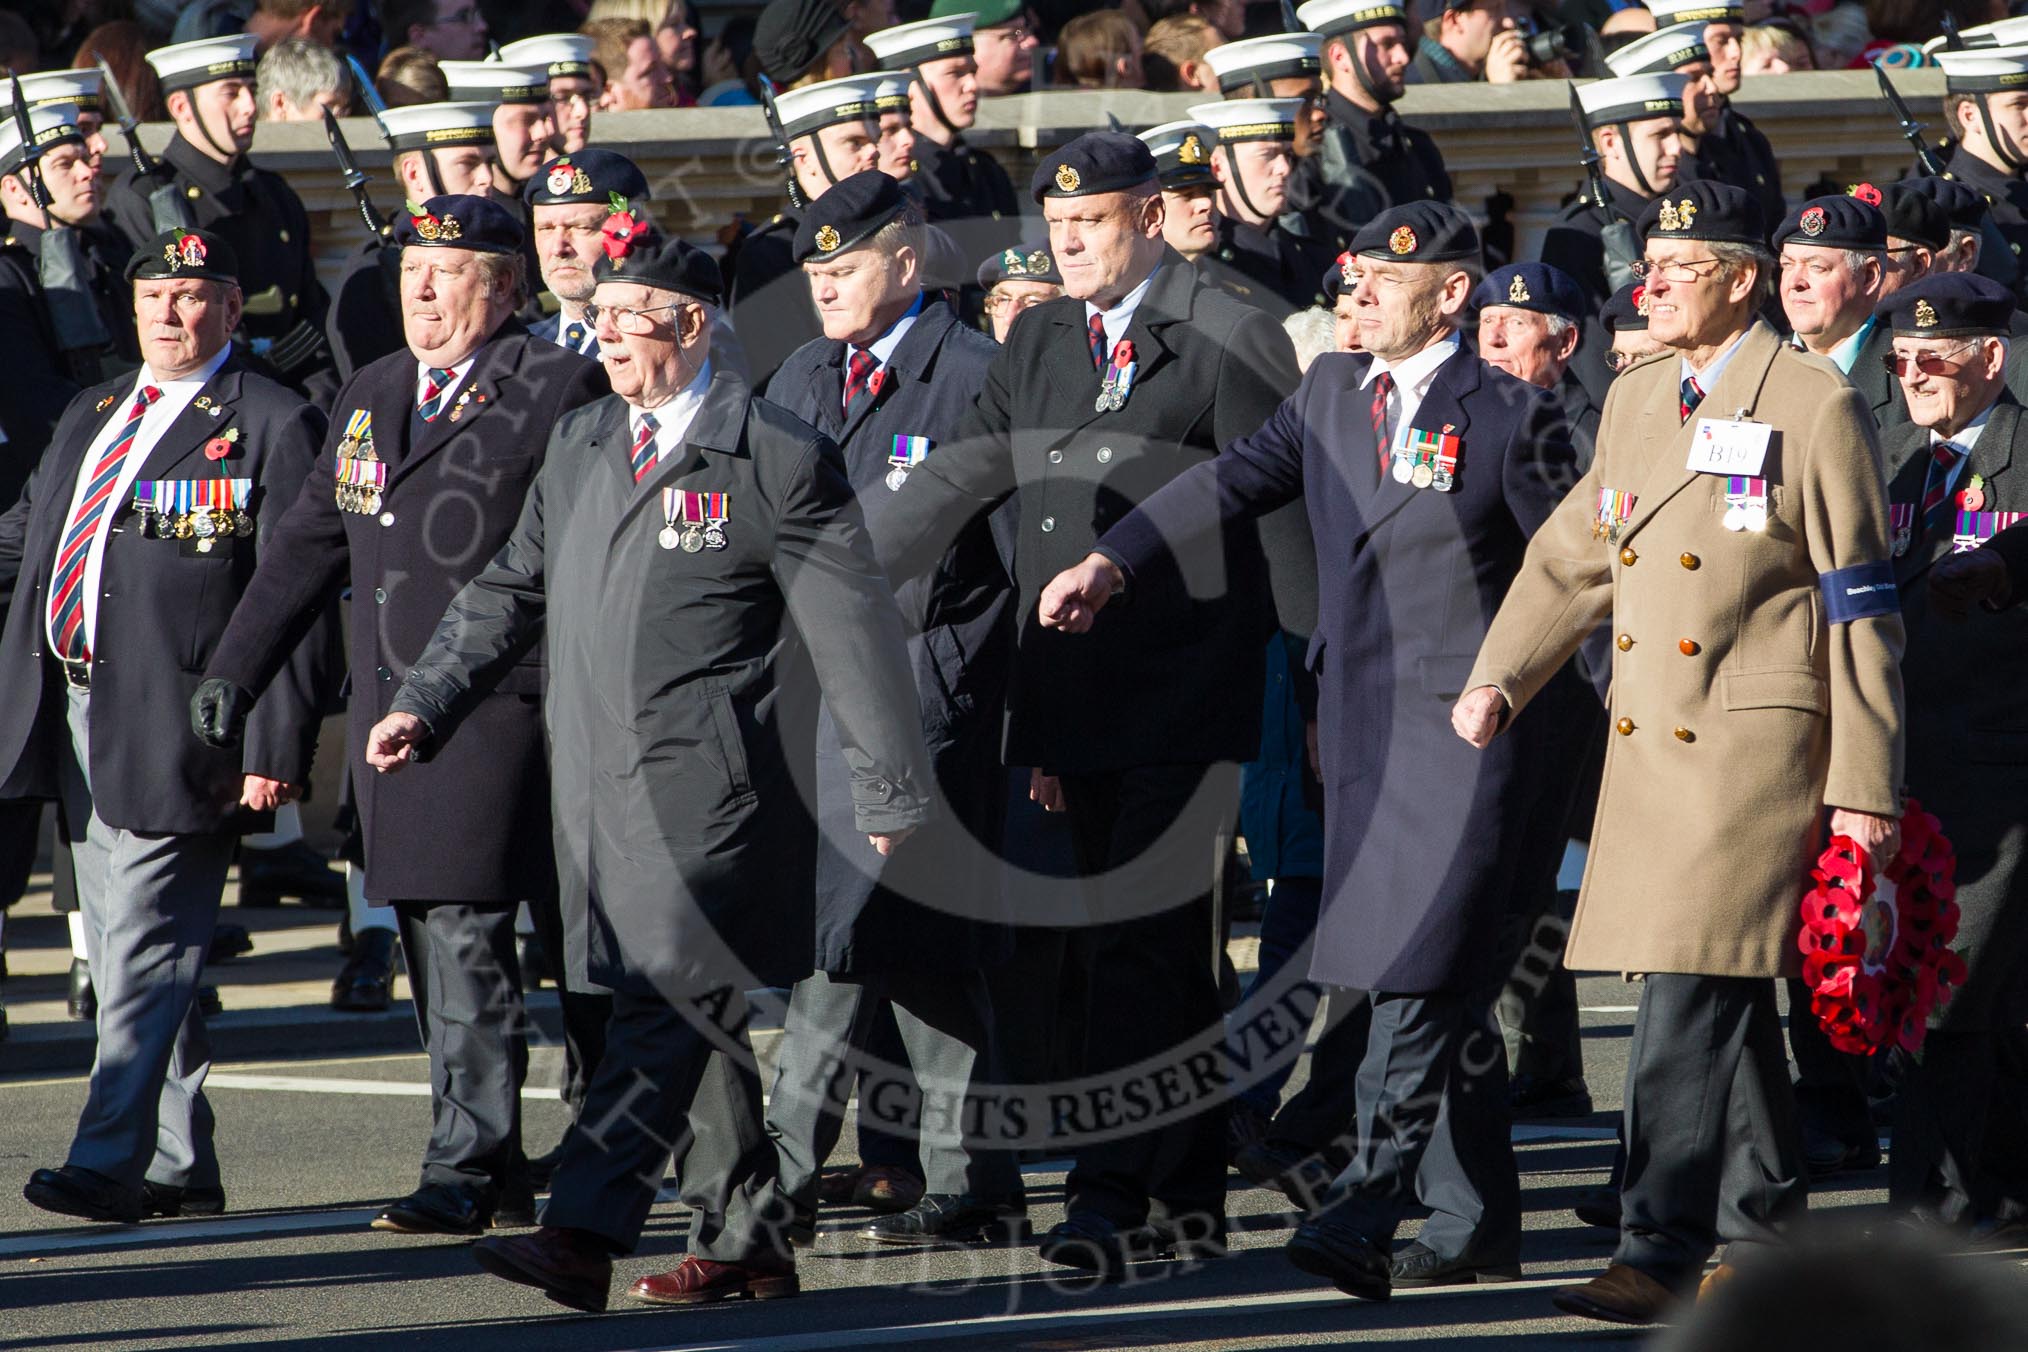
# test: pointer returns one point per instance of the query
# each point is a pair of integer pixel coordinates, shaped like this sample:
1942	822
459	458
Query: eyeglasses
1929	363
1617	362
1689	270
627	320
996	304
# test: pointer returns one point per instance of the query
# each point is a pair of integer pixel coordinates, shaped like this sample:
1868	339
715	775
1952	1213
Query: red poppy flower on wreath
1866	193
1876	946
620	232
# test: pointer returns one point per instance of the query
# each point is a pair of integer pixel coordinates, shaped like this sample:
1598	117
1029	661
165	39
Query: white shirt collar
1122	314
1707	379
1415	373
674	416
458	374
186	386
883	347
1967	436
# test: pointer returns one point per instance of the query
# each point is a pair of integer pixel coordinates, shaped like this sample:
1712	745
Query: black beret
1962	203
1031	263
456	221
1916	216
791	34
588	175
1096	162
1532	286
1627	310
1418	232
667	265
1332	285
1834	223
1716	213
849	213
176	254
943	262
1950	305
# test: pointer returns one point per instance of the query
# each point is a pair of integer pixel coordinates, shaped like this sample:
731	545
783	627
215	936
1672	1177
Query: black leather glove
218	712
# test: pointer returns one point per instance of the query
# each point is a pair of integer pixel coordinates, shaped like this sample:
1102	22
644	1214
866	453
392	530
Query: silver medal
668	538
693	540
1756	516
1403	470
1735	517
714	537
896	477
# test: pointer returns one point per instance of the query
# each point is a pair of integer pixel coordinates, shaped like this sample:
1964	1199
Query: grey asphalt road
311	1145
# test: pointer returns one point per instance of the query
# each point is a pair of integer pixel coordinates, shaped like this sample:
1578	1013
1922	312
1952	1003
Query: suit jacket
364	321
1581	412
768	299
684	846
162	609
1879	388
453	495
960	622
1180	680
1756	674
1422	834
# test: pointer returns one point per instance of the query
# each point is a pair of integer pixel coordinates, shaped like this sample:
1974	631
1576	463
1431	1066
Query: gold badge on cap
1641	301
1067	179
1402	241
1925	315
1676	215
1517	291
827	239
1038	262
1191	151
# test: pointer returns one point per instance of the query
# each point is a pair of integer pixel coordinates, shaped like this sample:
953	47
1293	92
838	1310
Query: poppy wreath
1876	946
622	229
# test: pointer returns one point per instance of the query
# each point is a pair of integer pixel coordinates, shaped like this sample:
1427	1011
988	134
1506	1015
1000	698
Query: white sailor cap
562	53
419	126
891	94
1668	12
497	81
911	44
81	89
1235	120
186	65
1664	50
51	125
856	98
1275	57
1335	18
1182	153
1632	98
1984	70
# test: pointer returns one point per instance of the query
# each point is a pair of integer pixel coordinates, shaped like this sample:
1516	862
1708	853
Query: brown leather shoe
571	1267
699	1281
887	1189
1714	1280
1619	1295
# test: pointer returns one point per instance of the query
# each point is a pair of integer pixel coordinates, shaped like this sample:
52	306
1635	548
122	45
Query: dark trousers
1538	1007
1830	1084
584	1012
682	1083
1432	1125
1321	1114
1712	1147
465	978
1287	924
1147	843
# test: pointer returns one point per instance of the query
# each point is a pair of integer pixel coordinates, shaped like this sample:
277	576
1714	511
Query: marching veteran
423	475
677	533
1734	529
122	561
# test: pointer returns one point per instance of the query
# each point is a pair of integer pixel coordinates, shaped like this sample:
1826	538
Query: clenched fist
1477	714
393	742
1074	597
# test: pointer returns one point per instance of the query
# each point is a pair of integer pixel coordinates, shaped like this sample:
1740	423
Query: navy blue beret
1096	162
176	254
1418	232
1964	205
1917	216
588	175
1716	213
1627	310
666	265
456	221
1950	305
1531	286
1834	223
849	213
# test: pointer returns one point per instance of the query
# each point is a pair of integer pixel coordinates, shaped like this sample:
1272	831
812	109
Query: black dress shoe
1297	1172
1088	1242
438	1209
569	1266
1530	1097
292	870
1825	1155
1190	1240
516	1208
166	1199
71	1191
801	1232
1420	1265
228	942
364	984
1343	1257
1245	1125
83	1003
946	1218
1600	1207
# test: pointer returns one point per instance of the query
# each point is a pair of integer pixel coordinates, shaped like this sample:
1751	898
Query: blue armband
1861	592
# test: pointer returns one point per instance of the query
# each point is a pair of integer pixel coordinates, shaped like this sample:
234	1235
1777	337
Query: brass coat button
1626	641
1685	735
1690	561
1688	647
1627	556
1625	726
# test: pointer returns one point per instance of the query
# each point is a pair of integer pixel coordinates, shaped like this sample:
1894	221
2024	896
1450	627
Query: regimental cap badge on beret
1678	215
1402	241
1641	301
1067	179
434	229
186	252
1812	222
565	177
1925	315
1038	262
1191	151
1517	291
828	238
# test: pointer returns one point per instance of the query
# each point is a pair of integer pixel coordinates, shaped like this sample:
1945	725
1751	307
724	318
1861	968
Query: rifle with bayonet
786	157
355	179
1932	163
1616	232
166	208
60	266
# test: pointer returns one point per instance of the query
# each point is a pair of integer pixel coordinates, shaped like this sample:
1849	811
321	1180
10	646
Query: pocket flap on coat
1787	688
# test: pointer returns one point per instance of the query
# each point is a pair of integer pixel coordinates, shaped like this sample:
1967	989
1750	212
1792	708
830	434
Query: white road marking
169	1234
1609	1009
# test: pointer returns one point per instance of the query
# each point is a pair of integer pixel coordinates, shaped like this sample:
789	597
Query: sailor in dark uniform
1276	66
833	132
208	87
523	130
1367	159
1730	148
1253	161
1989	117
82	90
960	183
439	149
573	84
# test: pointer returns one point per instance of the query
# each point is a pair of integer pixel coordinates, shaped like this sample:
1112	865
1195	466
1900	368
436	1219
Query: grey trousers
1432	1125
663	1089
464	976
1713	1150
150	904
945	1023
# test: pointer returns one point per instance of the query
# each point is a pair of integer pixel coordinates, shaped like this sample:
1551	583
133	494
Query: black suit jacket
162	609
453	496
1180	679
